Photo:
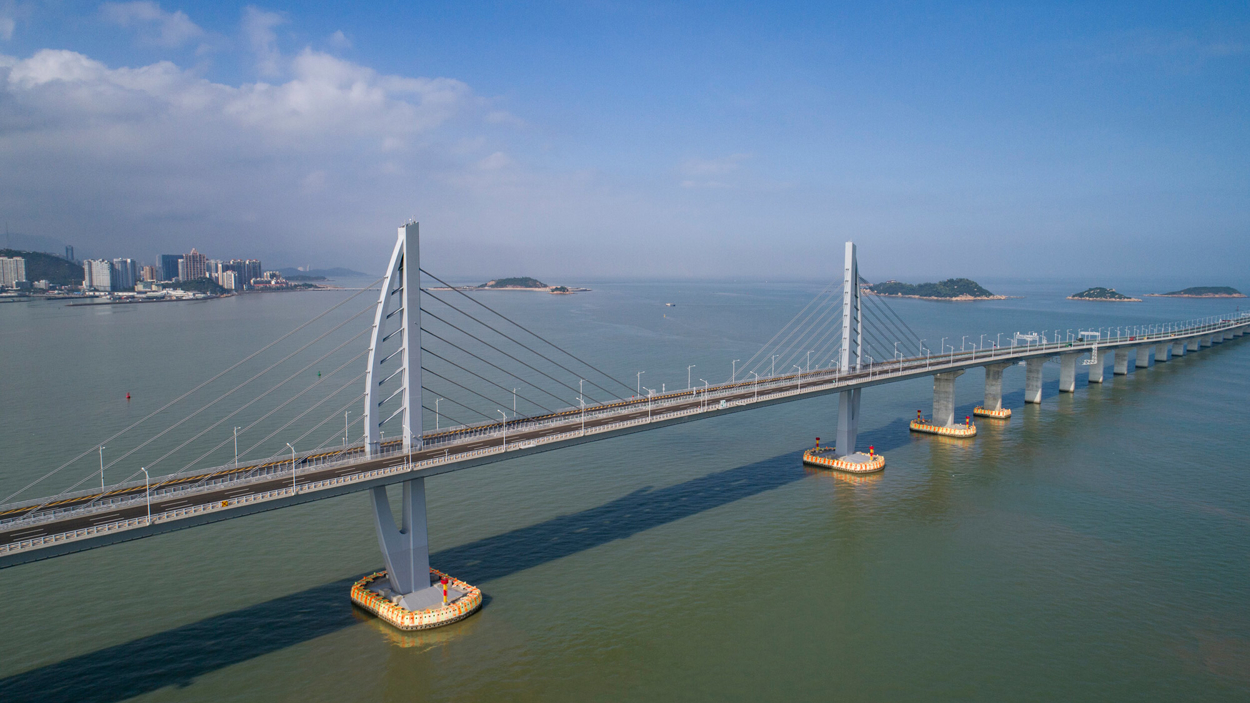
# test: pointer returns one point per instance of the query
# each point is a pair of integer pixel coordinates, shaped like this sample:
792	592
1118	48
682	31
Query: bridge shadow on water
176	657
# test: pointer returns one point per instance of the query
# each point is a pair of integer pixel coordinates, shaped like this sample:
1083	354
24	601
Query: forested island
1103	294
950	289
1201	292
519	283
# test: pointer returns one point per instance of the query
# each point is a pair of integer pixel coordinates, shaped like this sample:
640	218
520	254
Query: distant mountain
1202	292
1108	294
312	274
48	267
950	289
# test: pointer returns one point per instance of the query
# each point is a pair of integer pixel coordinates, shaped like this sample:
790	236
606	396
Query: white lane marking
28	533
110	516
175	502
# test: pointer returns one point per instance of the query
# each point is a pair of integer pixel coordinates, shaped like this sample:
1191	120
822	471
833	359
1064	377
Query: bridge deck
46	528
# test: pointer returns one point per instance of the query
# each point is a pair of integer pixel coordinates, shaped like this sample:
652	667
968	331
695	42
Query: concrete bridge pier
1033	380
1239	331
1204	341
1067	372
1143	357
1178	348
1194	343
994	386
1096	367
406	547
1162	352
944	398
1121	362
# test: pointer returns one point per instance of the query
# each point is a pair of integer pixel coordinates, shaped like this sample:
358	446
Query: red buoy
127	396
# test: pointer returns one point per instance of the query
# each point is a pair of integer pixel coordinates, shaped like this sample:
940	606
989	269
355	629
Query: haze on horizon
566	140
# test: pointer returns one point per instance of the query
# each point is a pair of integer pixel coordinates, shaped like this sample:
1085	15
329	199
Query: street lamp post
583	402
236	447
705	386
436	415
102	448
639	391
757	385
799	376
773	372
505	429
147	491
688	375
293	486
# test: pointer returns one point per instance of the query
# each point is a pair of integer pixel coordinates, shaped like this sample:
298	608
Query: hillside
46	267
1105	294
950	289
1203	292
520	282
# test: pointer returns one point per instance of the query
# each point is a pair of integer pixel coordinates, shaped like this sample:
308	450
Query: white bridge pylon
852	355
400	298
405	546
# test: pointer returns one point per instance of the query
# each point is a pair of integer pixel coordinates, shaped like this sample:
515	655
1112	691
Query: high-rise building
12	270
69	252
125	273
151	273
97	274
196	264
168	265
245	270
229	280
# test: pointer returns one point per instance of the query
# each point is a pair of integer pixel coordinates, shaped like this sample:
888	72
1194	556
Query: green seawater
1096	547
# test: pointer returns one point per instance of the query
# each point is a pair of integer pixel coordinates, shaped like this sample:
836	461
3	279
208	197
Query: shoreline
1173	295
955	299
1107	300
477	289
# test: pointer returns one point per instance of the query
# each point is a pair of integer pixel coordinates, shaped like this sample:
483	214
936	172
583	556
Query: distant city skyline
1101	143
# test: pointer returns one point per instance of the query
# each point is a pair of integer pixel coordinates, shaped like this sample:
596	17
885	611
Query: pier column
1178	348
944	398
1194	343
1097	365
994	386
1162	352
1239	331
1033	380
1143	357
406	547
1067	372
1121	362
1204	341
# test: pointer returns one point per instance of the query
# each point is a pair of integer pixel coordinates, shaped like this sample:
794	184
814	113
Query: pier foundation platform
857	463
373	593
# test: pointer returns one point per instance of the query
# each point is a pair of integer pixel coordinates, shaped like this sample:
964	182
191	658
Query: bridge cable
188	393
522	345
470	334
786	326
505	371
513	322
768	346
506	390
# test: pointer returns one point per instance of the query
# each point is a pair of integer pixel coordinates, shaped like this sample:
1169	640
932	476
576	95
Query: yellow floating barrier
401	618
962	431
1000	414
872	462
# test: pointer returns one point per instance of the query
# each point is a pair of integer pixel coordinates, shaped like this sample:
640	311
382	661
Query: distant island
950	289
1201	292
311	274
1103	294
519	283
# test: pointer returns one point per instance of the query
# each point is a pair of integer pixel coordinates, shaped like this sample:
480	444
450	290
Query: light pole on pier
963	345
757	385
147	491
102	448
896	355
650	392
733	371
773	372
809	362
505	428
799	376
293	487
705	386
943	345
639	391
921	349
688	375
583	402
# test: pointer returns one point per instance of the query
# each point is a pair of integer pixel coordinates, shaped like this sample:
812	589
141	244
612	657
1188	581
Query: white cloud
156	26
710	167
495	161
339	40
258	29
7	25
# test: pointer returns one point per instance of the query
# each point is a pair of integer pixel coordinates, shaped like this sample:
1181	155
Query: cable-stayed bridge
492	389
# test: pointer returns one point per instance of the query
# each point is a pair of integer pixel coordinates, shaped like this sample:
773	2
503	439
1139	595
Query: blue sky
600	139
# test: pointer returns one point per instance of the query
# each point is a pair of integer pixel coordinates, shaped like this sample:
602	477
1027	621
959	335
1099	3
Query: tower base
857	463
374	595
